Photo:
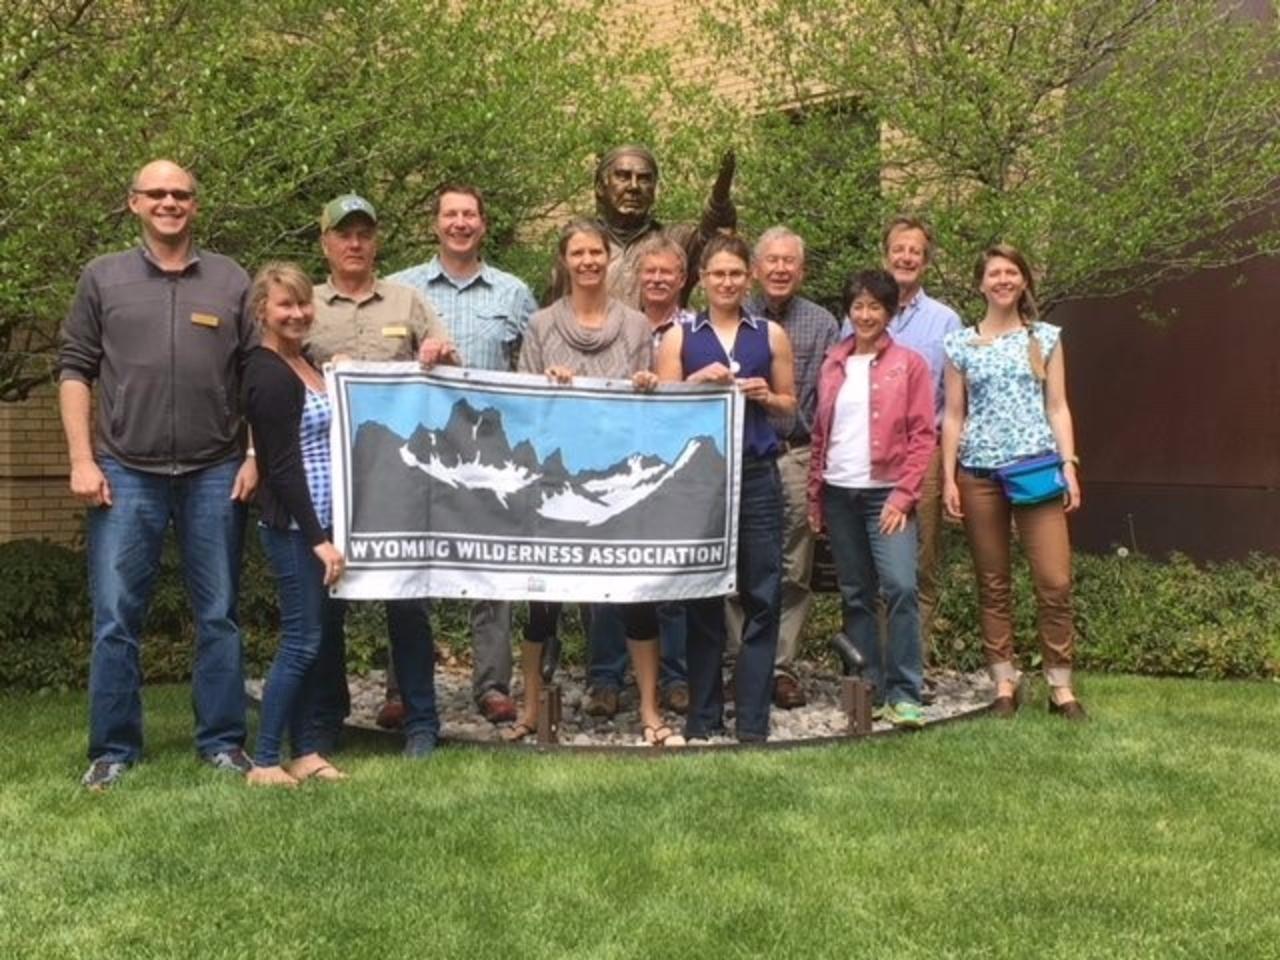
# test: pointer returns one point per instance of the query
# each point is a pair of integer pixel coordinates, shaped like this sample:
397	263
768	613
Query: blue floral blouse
1006	419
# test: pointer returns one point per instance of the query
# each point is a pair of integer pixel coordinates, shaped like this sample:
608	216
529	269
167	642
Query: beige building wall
34	498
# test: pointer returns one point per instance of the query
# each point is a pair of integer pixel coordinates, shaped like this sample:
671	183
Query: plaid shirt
486	314
313	441
812	331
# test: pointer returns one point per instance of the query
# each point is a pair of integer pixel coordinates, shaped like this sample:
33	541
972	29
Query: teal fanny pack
1032	479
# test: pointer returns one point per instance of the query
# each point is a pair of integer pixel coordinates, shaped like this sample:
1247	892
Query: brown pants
1042	528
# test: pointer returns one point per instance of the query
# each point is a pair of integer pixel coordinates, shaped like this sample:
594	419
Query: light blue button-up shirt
486	314
920	326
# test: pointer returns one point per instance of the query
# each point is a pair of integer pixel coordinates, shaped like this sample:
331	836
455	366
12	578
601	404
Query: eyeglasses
159	193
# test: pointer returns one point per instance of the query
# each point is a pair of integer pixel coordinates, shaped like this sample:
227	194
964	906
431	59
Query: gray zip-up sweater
166	350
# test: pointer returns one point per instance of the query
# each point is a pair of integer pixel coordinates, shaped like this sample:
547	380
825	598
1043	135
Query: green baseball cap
339	208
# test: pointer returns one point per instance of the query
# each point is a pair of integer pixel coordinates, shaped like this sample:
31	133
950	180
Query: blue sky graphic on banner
479	484
597	432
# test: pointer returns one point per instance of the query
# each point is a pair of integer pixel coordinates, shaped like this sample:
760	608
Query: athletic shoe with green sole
905	714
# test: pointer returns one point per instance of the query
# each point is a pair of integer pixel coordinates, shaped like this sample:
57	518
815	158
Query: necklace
727	344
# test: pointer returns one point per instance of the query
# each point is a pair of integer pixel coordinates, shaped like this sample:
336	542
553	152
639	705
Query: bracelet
1073	460
250	452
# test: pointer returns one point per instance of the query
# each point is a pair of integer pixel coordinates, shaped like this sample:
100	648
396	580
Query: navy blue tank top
754	358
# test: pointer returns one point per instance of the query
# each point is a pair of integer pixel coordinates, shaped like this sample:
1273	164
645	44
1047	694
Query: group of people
865	434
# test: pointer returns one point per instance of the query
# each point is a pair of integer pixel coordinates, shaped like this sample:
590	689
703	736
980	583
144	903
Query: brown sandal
518	731
662	736
325	772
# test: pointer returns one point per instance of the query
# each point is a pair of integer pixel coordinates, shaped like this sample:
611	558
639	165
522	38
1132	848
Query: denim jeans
288	694
759	583
413	655
869	563
607	646
124	545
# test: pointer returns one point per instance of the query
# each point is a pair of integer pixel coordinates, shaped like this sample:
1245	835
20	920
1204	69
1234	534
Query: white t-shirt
849	449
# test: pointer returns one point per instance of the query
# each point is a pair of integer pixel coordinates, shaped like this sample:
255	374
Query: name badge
397	331
204	319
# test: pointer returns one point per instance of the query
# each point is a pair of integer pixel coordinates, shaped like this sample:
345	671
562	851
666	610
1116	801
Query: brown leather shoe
391	714
676	698
787	694
601	703
1004	707
497	707
1072	710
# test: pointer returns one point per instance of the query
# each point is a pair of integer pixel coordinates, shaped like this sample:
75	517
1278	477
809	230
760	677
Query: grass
1150	832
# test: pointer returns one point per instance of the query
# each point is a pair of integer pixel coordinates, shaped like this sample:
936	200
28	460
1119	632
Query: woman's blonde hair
288	275
1027	309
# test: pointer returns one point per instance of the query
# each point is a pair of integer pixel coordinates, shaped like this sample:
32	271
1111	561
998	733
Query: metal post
549	715
855	698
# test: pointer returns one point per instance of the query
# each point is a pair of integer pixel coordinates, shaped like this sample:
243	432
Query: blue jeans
759	587
607	646
413	657
869	563
124	546
288	694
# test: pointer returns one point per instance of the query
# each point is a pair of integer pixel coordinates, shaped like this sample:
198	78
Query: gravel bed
822	717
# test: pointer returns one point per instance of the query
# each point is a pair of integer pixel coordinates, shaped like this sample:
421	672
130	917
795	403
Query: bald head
162	168
162	196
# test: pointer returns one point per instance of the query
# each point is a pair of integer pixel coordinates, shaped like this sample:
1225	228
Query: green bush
1133	615
46	619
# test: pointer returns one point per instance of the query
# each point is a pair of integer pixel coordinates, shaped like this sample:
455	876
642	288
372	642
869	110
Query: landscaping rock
822	717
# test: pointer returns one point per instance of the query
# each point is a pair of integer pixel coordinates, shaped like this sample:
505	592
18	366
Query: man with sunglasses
163	329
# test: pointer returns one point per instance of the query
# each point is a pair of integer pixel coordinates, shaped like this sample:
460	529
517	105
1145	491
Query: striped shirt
486	314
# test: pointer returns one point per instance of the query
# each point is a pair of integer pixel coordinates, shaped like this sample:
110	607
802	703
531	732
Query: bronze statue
626	183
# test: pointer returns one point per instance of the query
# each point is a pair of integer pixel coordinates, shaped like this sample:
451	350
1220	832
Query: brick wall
34	499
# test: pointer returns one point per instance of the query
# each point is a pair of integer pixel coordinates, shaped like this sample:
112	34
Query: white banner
483	485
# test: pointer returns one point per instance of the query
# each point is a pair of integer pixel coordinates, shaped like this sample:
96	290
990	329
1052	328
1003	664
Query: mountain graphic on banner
467	477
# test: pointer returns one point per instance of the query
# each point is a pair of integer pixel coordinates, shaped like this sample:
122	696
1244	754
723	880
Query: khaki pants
1042	529
797	562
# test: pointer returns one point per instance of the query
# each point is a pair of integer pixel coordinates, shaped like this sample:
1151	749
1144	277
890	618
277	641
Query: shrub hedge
1133	615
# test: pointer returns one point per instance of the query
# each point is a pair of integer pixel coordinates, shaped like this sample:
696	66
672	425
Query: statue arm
720	213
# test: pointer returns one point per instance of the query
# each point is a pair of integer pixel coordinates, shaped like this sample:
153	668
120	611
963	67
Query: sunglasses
159	193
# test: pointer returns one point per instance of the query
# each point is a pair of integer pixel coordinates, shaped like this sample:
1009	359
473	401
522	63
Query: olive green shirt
389	324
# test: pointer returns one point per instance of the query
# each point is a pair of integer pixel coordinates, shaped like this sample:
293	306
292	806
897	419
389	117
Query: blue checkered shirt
486	314
313	439
812	330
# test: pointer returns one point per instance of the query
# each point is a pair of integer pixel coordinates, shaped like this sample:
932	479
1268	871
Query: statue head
626	181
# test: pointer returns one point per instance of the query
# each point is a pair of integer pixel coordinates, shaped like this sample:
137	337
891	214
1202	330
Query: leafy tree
1119	142
279	105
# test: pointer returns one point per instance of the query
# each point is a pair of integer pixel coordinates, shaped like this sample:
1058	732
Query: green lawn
1150	832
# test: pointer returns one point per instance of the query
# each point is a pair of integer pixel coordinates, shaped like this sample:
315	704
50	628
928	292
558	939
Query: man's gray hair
773	235
660	243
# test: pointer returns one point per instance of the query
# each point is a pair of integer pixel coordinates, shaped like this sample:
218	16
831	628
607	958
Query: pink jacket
902	413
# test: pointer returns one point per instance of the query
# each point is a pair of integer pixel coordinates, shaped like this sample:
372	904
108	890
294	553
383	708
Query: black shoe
103	774
419	746
233	760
